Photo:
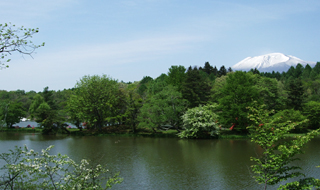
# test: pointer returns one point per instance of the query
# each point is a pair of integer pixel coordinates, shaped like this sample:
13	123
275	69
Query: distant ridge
270	62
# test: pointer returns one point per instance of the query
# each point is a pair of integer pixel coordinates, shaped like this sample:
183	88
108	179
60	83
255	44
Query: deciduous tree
276	163
237	94
11	113
163	108
15	39
97	97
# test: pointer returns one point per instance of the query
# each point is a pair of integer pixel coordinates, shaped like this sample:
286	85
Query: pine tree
195	88
222	71
295	93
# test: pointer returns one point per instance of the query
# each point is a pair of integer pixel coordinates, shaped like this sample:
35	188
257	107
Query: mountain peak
270	62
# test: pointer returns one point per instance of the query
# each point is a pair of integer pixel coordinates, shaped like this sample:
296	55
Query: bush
198	121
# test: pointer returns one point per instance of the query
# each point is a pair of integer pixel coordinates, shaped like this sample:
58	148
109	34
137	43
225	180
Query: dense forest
195	101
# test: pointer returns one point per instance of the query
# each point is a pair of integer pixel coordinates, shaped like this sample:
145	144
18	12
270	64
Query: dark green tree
315	71
298	71
312	111
46	115
196	88
306	72
295	93
208	68
222	71
143	85
237	94
291	72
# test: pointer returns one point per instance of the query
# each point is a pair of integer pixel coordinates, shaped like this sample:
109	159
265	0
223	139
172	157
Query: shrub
198	121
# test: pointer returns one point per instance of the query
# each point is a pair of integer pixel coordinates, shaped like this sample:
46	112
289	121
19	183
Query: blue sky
130	39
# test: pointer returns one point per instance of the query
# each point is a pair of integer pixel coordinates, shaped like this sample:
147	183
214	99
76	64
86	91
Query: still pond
164	163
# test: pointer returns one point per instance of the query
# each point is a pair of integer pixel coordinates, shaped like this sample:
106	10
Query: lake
164	163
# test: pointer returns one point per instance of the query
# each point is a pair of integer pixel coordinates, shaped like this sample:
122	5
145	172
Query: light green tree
72	108
163	108
11	113
133	105
200	121
15	39
276	163
176	76
96	100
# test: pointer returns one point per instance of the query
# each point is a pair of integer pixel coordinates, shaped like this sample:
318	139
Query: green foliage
158	84
306	72
11	113
292	116
15	39
275	164
312	111
200	120
26	169
303	184
176	76
144	85
216	92
35	113
44	110
73	108
196	88
163	108
133	105
98	101
295	93
269	90
222	71
237	94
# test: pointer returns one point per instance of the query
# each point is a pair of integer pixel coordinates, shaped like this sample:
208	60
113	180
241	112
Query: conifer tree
295	93
195	88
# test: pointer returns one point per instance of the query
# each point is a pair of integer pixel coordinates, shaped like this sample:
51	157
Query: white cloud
61	69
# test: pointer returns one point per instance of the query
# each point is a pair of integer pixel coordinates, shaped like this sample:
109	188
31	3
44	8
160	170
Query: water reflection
164	163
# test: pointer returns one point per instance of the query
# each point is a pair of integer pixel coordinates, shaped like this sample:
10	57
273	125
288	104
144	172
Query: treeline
195	101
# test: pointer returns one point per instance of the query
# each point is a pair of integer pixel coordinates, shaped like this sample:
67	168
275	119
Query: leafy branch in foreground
16	39
26	169
275	163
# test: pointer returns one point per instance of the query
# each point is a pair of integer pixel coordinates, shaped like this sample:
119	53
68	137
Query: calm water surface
164	163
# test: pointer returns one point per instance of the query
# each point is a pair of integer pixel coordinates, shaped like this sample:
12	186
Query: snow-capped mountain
270	62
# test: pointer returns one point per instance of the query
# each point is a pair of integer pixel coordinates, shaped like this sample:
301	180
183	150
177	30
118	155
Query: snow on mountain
270	62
